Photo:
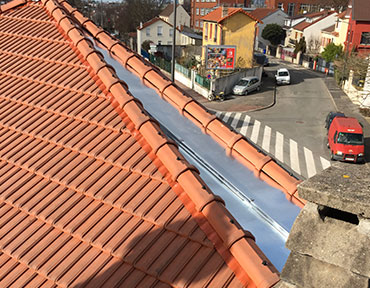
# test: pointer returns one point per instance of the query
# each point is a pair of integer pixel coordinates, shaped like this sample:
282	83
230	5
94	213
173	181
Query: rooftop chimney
224	11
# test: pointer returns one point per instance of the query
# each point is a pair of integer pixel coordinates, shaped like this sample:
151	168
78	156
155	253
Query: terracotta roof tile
91	192
216	15
261	13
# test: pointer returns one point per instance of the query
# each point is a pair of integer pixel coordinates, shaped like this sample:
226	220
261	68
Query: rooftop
261	13
217	14
91	190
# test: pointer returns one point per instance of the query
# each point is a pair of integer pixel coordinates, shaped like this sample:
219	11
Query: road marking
255	131
294	160
325	163
235	120
266	139
244	128
310	163
279	145
226	116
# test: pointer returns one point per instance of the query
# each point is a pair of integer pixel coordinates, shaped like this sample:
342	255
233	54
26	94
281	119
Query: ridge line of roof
256	265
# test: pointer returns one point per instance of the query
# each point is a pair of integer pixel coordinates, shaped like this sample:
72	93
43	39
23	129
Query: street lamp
173	41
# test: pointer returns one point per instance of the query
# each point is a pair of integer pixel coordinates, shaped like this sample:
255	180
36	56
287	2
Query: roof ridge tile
10	5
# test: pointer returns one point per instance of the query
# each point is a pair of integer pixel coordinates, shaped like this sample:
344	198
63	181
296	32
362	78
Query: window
197	11
159	30
169	42
210	31
171	32
197	23
202	11
291	7
201	24
281	6
215	33
206	31
365	38
147	30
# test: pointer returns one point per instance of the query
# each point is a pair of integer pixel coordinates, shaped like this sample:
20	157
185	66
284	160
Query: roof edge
12	4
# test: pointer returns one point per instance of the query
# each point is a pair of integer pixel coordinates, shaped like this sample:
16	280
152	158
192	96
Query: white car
282	76
246	85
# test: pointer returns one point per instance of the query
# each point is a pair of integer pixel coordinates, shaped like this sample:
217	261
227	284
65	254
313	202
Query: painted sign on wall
220	57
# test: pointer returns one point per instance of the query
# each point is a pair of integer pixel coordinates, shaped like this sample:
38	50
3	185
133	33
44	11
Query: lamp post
173	41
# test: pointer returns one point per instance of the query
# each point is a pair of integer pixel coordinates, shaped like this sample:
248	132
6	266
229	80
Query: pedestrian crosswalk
299	159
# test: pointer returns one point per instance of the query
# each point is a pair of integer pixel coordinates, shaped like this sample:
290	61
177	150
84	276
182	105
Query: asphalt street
300	108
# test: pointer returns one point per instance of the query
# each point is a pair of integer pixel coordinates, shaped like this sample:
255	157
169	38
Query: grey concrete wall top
342	186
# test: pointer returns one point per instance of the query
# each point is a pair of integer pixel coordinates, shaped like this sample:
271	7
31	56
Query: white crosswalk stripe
255	131
294	161
310	163
288	152
279	145
244	128
266	139
325	163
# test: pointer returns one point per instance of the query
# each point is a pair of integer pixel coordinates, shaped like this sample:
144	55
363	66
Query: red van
346	140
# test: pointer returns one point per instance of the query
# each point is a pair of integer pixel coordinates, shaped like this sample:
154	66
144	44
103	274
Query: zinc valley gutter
256	205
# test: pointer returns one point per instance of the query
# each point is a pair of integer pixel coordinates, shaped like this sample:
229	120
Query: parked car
261	59
346	140
282	76
247	85
330	118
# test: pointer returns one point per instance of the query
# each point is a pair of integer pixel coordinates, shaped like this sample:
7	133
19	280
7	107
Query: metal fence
183	70
205	82
160	62
166	65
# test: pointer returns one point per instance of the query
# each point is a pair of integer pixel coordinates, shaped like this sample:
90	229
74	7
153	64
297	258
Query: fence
160	62
205	82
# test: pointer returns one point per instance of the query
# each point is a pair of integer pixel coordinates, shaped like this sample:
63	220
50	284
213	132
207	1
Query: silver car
247	85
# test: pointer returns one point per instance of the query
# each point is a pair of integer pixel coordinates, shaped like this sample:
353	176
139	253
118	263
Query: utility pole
173	41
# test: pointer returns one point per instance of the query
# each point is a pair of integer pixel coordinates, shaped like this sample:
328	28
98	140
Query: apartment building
293	7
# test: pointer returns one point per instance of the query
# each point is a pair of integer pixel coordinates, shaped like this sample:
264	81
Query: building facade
231	26
294	7
358	36
182	17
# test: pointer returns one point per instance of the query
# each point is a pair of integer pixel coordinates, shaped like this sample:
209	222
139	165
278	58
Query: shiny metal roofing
92	193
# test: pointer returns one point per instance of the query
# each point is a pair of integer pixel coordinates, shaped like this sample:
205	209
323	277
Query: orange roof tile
261	13
302	25
216	15
91	191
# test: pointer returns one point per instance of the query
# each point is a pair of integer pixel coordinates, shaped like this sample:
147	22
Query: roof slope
166	12
216	15
91	191
261	13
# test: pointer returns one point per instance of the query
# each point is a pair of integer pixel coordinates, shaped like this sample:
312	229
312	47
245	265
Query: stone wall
330	239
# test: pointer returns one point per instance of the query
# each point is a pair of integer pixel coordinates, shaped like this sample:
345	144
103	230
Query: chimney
329	240
224	11
141	25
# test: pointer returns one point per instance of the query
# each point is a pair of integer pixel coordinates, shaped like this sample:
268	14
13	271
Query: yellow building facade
236	28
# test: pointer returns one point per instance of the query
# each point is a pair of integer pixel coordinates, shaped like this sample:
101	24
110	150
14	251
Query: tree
273	33
332	52
300	46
